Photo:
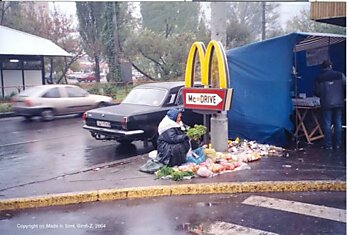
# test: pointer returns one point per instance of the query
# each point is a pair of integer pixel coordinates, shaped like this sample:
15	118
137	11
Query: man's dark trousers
332	116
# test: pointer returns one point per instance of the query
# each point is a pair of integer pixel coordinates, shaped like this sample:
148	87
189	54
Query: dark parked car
139	114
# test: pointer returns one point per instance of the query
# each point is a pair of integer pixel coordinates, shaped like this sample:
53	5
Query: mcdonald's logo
205	58
207	98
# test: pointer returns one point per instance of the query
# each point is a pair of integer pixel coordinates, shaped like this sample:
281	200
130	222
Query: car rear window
76	92
146	96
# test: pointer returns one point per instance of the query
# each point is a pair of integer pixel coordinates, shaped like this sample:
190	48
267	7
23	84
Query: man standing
330	87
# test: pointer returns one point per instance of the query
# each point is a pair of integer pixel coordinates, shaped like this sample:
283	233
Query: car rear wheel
124	142
101	104
47	114
28	118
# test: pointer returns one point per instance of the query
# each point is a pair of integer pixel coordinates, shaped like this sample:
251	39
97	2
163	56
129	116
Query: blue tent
261	76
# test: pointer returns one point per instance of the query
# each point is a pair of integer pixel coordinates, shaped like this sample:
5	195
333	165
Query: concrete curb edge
7	115
169	190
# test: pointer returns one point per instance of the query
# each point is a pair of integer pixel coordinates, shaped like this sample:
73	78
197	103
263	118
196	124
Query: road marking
298	207
224	228
18	143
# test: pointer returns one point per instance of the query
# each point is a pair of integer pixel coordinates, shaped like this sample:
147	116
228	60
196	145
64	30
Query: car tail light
124	123
84	116
28	102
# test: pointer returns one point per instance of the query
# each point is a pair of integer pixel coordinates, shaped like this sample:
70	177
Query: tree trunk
142	72
67	65
97	68
117	48
51	70
3	8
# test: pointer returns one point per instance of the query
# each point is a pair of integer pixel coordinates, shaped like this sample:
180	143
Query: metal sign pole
219	133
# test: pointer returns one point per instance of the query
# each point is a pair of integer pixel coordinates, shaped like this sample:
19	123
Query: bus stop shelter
22	59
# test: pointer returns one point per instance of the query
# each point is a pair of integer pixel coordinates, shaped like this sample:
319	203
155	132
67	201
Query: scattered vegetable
174	174
238	153
196	132
164	171
179	175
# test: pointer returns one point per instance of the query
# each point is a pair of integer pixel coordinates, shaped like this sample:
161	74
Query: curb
7	114
169	190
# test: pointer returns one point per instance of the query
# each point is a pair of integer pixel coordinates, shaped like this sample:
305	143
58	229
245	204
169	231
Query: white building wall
13	80
33	77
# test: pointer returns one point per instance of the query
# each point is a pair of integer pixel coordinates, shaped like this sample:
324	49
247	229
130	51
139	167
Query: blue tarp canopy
261	76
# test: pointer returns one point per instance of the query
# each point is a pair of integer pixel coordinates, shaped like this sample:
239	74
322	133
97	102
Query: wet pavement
43	158
34	151
198	214
312	163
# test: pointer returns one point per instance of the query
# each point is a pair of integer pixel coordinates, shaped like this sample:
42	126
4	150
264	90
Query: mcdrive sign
207	98
218	99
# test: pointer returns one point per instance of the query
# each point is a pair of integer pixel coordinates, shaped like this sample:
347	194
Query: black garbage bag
151	166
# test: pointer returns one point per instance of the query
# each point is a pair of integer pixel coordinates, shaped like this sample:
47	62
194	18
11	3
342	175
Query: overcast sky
287	10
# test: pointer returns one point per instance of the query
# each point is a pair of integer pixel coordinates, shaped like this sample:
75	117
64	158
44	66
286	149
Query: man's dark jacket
329	86
172	146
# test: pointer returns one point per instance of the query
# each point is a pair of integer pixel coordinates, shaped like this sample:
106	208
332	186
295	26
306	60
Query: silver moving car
49	101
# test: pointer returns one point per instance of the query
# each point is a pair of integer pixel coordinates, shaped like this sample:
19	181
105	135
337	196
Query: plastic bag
204	172
153	154
197	156
151	166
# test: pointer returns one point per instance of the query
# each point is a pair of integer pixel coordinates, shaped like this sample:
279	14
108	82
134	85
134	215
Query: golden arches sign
207	98
214	48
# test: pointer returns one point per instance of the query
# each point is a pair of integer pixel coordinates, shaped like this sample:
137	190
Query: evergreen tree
90	27
111	40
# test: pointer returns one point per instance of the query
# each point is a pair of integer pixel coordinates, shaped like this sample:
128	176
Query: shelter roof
316	40
303	41
15	42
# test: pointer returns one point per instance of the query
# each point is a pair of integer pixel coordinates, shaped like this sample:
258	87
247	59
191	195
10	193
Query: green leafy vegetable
196	132
179	175
164	171
174	175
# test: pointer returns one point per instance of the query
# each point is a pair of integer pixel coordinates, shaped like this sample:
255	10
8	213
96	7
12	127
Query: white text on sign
203	99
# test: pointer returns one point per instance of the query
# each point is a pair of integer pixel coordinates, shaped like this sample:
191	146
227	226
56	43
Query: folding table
310	127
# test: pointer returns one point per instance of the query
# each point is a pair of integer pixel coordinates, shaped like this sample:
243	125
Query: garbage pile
205	169
250	150
238	154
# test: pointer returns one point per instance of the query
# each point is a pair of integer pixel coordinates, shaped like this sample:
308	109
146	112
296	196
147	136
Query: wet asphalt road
32	151
179	215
